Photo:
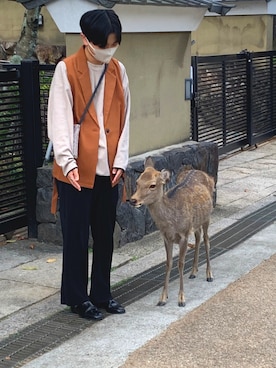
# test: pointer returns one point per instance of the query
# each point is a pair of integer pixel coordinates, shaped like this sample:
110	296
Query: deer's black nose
133	201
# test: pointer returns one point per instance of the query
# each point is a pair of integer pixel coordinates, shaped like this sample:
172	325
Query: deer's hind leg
196	253
209	275
169	263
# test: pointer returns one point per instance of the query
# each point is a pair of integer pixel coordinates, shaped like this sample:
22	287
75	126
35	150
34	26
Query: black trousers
79	211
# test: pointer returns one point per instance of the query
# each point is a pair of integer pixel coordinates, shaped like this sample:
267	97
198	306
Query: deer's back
191	176
185	207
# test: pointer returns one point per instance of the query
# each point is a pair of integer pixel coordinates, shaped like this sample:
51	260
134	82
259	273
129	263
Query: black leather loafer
112	307
87	310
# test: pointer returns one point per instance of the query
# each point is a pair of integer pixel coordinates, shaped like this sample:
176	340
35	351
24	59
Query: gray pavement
30	279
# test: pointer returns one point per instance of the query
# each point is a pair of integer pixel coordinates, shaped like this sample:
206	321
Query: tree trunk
26	45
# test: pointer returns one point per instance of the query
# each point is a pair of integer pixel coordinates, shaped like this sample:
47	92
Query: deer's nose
133	201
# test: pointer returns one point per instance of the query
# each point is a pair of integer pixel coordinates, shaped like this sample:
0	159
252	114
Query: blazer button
107	131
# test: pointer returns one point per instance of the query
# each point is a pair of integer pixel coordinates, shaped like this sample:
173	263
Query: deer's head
150	185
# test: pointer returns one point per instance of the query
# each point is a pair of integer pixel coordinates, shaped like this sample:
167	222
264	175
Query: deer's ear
148	162
165	176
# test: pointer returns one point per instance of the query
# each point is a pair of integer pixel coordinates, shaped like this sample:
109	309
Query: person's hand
116	175
73	177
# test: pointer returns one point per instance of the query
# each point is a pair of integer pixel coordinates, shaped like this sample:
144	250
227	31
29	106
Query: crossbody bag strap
50	144
93	95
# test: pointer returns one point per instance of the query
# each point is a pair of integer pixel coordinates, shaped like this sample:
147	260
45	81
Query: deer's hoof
181	304
161	304
192	276
210	279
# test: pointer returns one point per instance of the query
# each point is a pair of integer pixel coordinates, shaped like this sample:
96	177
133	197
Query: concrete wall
231	34
157	65
11	17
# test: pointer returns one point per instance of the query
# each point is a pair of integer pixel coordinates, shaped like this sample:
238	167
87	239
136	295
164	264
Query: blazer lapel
110	81
85	84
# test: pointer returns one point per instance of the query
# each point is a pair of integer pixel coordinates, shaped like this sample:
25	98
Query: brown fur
184	208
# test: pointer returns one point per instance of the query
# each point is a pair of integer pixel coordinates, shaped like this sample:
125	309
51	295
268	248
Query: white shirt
61	121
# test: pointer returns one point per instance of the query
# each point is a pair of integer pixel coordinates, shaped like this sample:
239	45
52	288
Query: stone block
43	205
50	233
44	177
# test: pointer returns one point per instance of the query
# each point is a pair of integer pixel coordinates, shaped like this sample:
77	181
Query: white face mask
102	55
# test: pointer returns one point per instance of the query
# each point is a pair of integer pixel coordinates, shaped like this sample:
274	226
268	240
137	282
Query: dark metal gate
234	100
13	193
23	141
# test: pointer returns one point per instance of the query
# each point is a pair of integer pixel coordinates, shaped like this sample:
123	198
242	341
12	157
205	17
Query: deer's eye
152	186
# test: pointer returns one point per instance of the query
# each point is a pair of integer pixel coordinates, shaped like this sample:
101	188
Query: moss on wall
11	17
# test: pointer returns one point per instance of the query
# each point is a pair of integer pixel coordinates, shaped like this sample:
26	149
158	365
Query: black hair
98	24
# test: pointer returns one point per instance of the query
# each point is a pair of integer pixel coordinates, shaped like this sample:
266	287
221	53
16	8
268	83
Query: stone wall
132	223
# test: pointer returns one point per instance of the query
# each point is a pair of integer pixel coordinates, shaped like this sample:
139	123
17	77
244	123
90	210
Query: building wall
11	17
157	65
232	34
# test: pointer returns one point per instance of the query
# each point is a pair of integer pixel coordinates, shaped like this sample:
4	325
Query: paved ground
227	323
235	329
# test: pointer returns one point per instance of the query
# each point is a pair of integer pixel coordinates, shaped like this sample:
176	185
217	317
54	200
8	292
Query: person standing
87	181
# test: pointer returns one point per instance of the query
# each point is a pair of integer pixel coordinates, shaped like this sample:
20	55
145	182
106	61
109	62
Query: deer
177	212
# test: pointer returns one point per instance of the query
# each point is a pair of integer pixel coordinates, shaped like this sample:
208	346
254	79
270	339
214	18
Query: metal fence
234	105
23	102
234	100
45	77
13	201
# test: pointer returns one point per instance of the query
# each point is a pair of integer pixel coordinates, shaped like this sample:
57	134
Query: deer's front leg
181	262
169	262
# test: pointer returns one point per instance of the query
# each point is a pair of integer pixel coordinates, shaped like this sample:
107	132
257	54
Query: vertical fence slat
249	75
194	101
29	82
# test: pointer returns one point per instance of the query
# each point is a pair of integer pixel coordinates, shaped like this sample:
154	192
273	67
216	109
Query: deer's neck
160	210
